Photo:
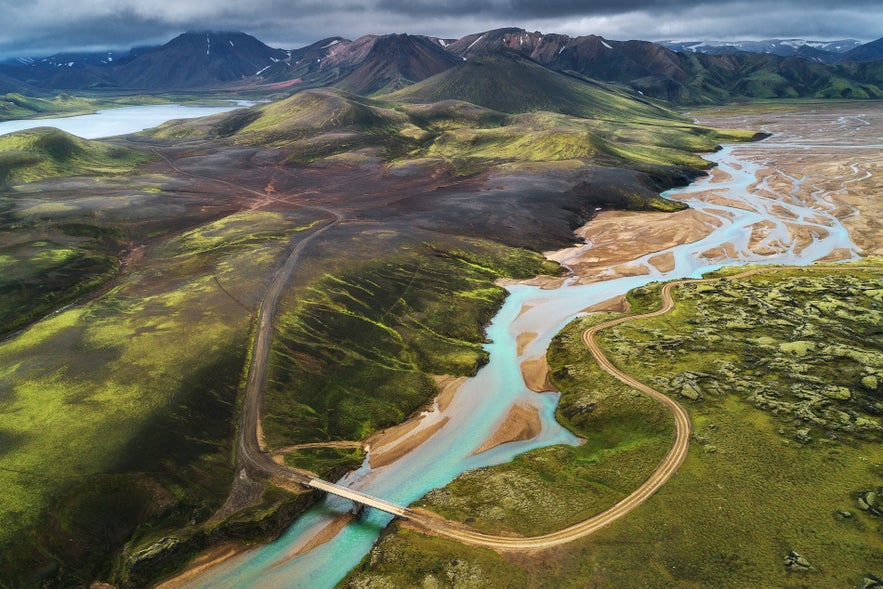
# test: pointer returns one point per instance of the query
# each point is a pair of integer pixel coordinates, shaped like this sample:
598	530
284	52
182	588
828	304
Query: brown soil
523	340
203	562
389	445
846	181
341	444
725	251
618	304
536	375
387	454
522	423
447	388
663	262
327	533
616	238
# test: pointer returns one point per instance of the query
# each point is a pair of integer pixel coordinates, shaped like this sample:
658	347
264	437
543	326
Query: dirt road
431	523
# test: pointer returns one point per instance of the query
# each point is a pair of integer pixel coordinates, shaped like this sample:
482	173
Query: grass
440	564
94	398
576	121
41	275
508	83
357	346
749	491
328	463
37	154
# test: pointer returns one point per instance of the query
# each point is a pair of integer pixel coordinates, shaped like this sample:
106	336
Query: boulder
838	393
688	391
869	501
795	562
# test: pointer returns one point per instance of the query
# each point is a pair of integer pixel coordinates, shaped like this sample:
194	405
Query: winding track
430	523
248	447
251	455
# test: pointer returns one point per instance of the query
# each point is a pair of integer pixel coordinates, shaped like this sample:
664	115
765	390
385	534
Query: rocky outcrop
871	502
797	563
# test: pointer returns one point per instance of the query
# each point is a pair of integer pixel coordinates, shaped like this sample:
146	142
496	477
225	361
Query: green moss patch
36	154
355	350
752	492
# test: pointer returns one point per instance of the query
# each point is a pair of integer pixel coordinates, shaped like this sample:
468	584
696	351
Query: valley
190	223
384	277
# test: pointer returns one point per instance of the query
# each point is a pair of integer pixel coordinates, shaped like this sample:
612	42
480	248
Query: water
483	401
119	121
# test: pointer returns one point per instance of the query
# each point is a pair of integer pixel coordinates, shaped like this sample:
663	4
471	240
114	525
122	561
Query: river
119	121
483	401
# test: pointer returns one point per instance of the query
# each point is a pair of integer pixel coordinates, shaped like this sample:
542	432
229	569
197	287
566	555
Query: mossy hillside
59	245
327	463
36	154
512	84
801	345
615	130
357	345
96	395
266	520
40	275
18	106
549	137
51	253
404	558
626	435
746	496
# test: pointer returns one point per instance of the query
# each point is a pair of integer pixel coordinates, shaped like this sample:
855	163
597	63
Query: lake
120	121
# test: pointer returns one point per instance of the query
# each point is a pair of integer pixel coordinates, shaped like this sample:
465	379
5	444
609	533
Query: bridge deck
358	497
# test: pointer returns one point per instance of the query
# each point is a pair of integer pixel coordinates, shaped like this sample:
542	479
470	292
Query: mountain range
686	73
819	51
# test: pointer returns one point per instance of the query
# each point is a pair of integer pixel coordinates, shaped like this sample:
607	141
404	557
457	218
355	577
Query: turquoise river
482	402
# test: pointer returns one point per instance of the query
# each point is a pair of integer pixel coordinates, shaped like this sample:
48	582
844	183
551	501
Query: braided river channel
753	220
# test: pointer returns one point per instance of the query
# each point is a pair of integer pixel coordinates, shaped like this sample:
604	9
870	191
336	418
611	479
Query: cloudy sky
38	27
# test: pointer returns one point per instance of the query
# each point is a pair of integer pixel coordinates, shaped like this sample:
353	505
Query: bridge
358	497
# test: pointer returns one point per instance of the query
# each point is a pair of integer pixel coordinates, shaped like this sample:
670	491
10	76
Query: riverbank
784	237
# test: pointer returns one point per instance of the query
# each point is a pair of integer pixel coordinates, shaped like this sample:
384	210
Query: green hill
46	152
512	84
462	118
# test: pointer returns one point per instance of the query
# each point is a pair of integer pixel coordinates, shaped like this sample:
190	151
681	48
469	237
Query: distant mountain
820	51
646	67
368	65
687	78
198	59
74	59
10	84
702	73
191	60
872	51
72	70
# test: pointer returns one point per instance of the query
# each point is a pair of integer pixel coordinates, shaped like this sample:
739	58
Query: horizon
97	48
53	26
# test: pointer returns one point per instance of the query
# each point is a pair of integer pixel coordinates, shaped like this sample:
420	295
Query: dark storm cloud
38	27
522	8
